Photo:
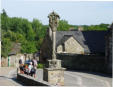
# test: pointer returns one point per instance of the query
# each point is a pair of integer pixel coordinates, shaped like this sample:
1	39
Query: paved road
8	77
76	79
80	79
86	80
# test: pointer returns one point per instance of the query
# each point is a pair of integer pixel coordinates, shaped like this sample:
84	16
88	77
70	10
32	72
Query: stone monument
54	73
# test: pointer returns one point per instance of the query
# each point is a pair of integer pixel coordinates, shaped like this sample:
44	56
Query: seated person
30	67
33	72
21	69
26	70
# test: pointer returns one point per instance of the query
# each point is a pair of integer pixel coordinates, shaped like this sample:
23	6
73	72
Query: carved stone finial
53	21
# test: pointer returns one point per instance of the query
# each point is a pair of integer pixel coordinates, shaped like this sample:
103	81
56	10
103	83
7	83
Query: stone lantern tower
54	73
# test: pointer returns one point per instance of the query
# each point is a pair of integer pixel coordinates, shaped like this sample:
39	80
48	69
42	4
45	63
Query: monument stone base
54	74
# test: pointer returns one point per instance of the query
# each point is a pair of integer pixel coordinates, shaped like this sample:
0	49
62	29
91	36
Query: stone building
108	48
86	50
13	57
74	42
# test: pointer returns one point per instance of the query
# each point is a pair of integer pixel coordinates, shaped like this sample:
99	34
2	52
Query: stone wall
30	81
83	62
4	62
14	59
108	49
71	46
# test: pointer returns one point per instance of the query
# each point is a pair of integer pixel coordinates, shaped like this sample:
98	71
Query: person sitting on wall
26	69
34	62
21	68
30	67
20	61
33	71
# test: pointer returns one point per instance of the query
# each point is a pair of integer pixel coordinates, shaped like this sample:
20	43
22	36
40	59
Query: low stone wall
83	62
4	62
30	81
14	59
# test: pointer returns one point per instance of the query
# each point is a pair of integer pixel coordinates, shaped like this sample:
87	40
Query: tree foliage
31	34
6	47
20	30
99	27
63	25
28	47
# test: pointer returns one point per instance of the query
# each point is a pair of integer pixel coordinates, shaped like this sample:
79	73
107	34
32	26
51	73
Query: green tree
37	27
99	27
30	35
28	47
63	25
4	21
6	47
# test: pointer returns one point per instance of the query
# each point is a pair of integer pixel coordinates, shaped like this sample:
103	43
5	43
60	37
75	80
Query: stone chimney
80	28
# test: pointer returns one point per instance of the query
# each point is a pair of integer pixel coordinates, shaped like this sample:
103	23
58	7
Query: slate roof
91	41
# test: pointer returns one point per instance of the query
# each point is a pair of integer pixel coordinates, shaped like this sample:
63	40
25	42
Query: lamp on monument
53	20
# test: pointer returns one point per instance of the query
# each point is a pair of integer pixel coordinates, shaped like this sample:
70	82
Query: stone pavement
8	77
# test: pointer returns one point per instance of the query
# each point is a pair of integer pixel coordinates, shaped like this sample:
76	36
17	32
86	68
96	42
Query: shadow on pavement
94	73
15	79
4	77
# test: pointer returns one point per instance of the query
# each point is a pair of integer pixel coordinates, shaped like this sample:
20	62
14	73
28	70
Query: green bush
40	65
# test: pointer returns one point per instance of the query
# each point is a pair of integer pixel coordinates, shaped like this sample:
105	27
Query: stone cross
54	73
53	23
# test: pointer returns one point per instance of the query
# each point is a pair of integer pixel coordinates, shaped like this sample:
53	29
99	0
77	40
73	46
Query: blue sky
75	12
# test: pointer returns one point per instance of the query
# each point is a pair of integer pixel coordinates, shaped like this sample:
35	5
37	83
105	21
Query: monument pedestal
54	74
54	63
